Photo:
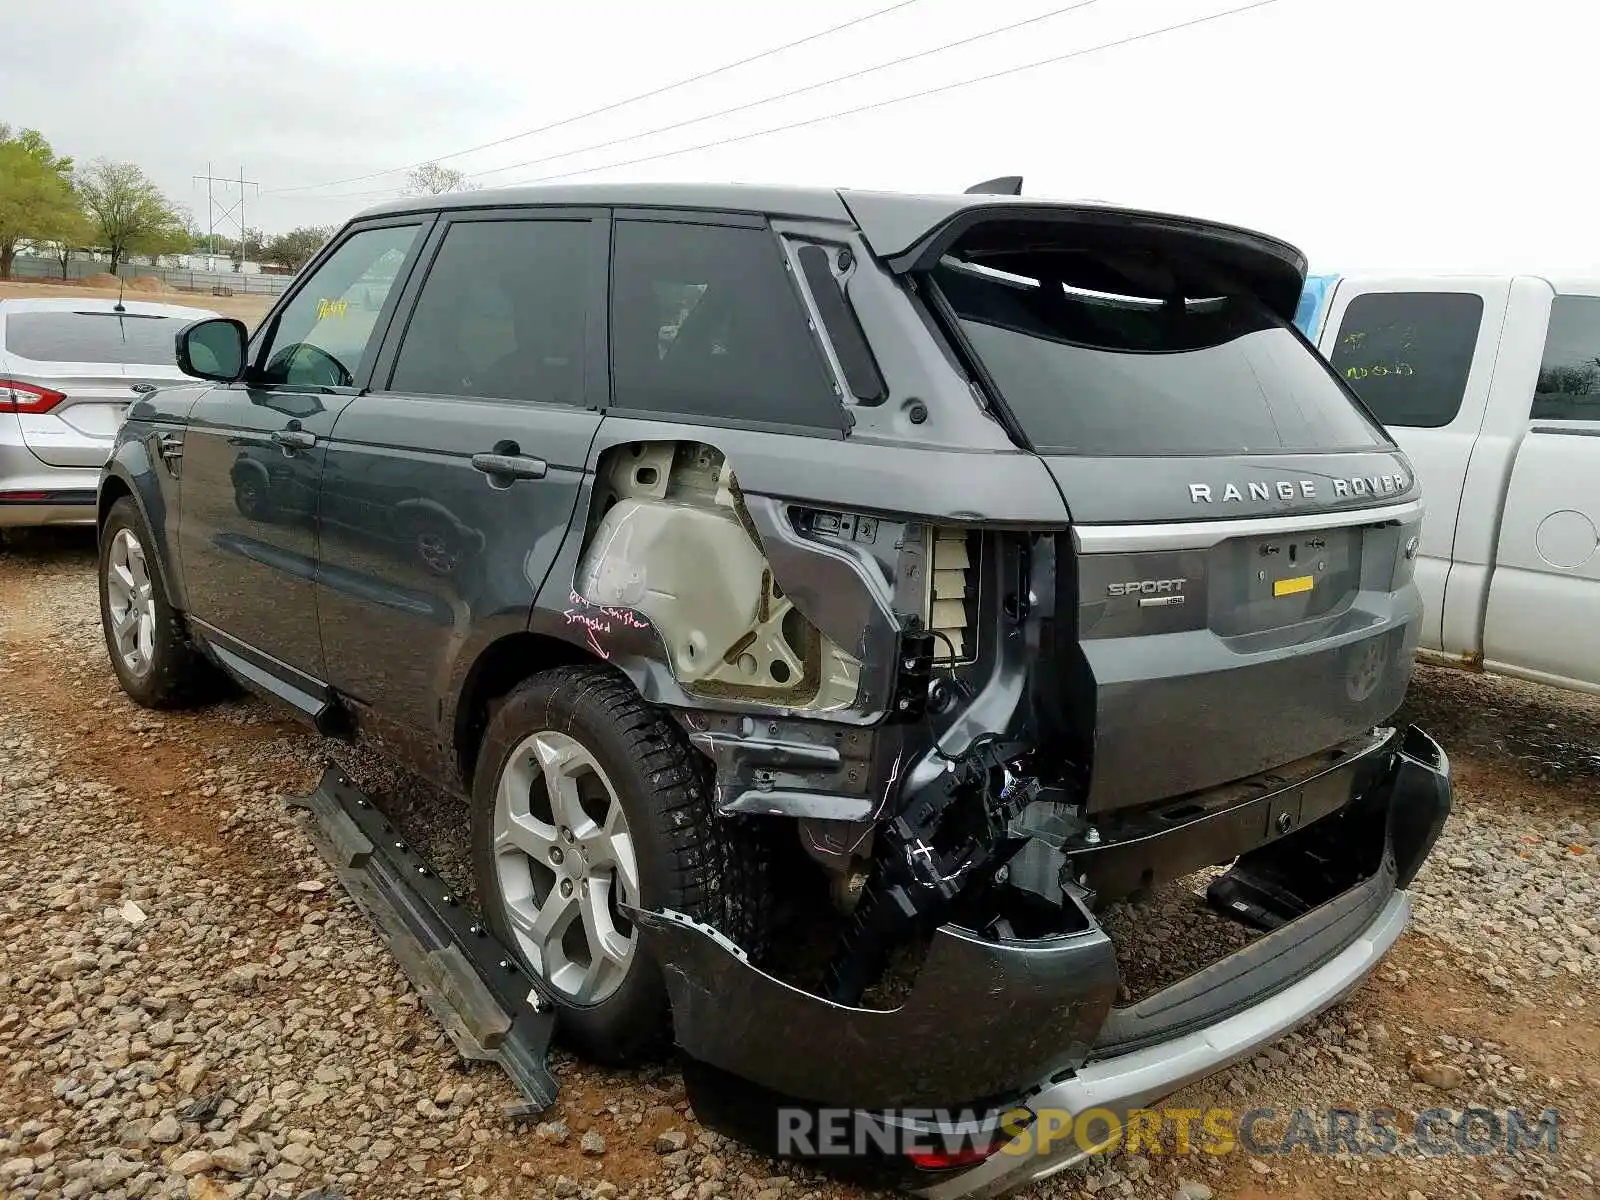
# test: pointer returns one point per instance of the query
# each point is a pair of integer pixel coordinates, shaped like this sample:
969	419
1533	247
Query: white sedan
69	370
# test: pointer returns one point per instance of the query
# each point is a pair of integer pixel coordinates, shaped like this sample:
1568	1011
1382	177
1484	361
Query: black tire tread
714	868
181	676
714	881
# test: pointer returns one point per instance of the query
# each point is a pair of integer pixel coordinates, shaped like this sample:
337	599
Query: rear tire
154	659
632	821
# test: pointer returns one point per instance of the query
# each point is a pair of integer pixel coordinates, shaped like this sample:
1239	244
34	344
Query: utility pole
221	208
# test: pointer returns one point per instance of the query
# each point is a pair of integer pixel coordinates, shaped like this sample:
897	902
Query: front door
253	454
450	485
1545	590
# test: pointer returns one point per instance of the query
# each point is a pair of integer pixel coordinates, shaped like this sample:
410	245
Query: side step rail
490	1007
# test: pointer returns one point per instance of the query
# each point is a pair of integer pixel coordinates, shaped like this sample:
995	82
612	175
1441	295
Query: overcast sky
1369	132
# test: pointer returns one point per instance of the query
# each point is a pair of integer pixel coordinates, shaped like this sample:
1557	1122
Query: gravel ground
189	1006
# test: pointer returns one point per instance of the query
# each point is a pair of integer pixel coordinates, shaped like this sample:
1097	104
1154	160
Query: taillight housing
19	397
949	1160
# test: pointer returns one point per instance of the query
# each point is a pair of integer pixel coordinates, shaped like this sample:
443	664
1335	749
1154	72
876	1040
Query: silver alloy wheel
131	599
565	861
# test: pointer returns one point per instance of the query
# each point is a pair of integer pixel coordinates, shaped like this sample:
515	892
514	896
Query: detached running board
474	987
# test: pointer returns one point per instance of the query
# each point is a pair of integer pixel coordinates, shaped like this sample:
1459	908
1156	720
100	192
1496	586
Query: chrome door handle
510	466
294	439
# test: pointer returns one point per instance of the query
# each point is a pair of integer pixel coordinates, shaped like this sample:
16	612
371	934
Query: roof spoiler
911	233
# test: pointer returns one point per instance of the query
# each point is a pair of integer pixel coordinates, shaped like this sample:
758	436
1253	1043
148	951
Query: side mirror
213	349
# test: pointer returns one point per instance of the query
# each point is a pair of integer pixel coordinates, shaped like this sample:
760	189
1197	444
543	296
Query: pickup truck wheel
154	660
585	799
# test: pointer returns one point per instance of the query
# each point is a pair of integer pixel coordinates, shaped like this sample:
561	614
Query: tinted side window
1569	375
1407	354
705	323
324	333
501	314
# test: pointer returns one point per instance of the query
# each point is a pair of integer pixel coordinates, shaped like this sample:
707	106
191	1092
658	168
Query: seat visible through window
501	314
705	322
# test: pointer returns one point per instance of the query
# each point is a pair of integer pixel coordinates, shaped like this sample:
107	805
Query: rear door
449	486
1544	594
96	363
1420	353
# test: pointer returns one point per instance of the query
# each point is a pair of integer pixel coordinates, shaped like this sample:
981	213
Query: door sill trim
306	694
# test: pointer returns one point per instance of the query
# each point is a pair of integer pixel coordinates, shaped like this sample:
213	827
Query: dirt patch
171	767
1560	1038
146	754
1547	735
248	308
1169	935
181	814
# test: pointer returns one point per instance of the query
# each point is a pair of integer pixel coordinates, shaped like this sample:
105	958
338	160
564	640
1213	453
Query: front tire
154	660
585	798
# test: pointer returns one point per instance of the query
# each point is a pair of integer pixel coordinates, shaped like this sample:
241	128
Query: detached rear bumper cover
988	1020
983	1018
1140	1078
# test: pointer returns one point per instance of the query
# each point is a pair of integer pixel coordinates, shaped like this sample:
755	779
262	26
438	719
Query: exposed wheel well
112	490
500	667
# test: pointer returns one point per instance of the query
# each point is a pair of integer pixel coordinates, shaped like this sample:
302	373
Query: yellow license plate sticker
1291	587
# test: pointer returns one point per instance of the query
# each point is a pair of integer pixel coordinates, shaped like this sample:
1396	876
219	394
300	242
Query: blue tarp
1313	304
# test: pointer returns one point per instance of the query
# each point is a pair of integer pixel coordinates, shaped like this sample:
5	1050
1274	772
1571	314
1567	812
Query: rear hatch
1240	593
79	372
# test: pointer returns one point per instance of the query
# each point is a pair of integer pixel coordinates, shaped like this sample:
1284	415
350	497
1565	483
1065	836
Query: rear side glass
843	329
1569	375
502	314
705	323
1408	354
127	339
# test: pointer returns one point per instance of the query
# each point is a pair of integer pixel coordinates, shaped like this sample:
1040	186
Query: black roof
814	203
904	229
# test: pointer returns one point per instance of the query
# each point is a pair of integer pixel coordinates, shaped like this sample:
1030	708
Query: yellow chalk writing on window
1379	370
331	308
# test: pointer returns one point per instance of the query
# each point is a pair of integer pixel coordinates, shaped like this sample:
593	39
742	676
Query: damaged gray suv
830	603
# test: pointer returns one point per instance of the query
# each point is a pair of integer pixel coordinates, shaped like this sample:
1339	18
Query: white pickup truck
1491	384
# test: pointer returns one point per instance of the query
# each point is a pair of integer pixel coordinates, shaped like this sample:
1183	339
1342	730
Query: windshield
94	337
1102	354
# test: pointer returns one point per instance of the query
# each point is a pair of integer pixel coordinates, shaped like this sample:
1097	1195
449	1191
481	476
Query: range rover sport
830	602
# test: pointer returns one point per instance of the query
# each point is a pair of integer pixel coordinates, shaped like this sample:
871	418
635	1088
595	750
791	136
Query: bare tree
131	214
430	179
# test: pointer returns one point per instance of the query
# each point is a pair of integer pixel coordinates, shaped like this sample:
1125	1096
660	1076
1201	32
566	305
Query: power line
233	213
792	92
849	112
595	112
933	91
379	194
